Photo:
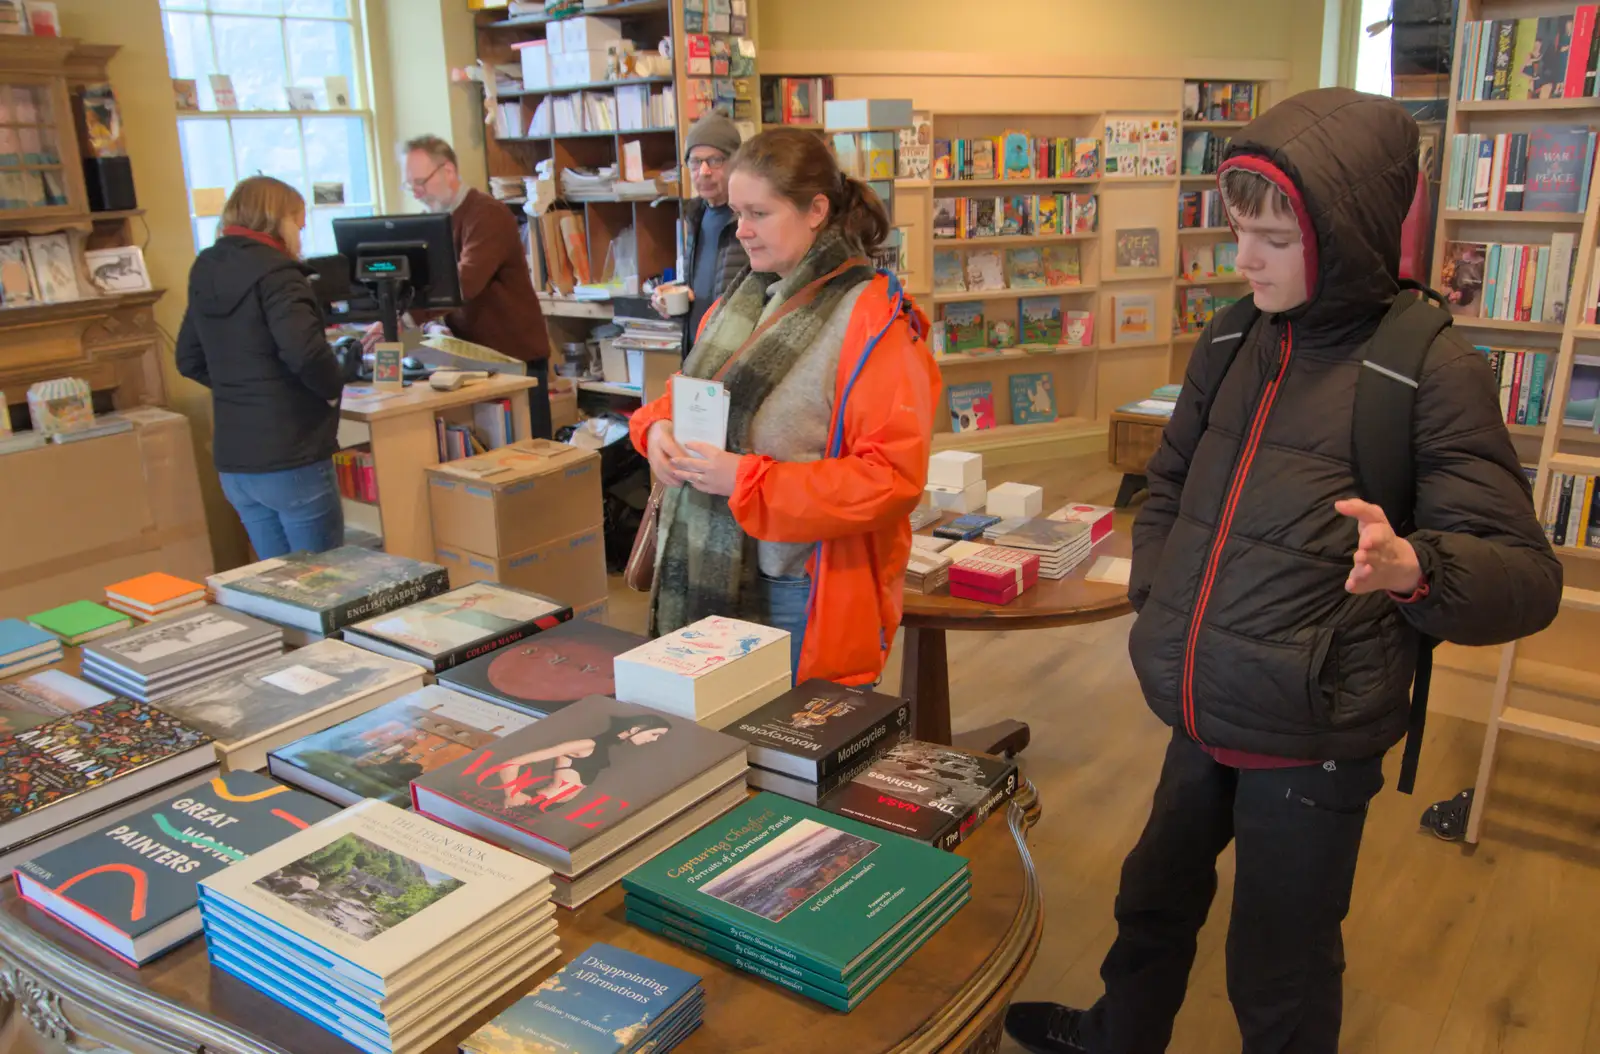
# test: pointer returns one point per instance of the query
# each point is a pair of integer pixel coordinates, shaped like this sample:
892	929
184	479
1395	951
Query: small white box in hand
962	500
1015	500
699	411
955	468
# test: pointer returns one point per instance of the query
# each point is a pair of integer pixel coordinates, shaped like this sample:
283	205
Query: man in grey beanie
712	255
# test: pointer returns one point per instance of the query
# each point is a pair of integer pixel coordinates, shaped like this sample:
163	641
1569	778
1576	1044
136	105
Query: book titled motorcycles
589	791
819	904
818	736
132	886
381	926
935	794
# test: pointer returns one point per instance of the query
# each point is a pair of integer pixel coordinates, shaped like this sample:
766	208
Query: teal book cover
1033	399
794	877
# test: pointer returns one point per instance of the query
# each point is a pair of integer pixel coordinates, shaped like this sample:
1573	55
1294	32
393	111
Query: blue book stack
24	646
605	1001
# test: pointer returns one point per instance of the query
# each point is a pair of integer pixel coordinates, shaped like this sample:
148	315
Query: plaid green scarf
705	563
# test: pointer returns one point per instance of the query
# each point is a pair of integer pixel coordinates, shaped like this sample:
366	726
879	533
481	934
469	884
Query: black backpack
1386	394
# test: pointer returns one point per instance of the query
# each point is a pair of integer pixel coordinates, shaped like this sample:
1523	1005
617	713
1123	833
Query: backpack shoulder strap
1225	335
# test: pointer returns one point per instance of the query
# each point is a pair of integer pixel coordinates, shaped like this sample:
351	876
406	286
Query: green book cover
794	880
80	620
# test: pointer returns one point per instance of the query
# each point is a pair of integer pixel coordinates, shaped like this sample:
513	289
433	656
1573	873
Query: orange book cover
154	589
577	246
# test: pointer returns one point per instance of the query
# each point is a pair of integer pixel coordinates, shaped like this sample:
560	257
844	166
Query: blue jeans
295	510
785	601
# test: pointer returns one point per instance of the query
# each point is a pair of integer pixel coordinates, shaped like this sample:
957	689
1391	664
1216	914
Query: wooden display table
949	997
405	441
1134	439
925	672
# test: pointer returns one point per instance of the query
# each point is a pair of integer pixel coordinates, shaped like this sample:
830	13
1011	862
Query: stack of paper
578	184
699	412
1061	545
649	334
999	527
927	572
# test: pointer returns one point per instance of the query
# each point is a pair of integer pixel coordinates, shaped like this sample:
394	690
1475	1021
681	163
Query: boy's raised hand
1383	559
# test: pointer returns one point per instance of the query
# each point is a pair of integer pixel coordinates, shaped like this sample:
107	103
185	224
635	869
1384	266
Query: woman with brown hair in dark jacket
253	334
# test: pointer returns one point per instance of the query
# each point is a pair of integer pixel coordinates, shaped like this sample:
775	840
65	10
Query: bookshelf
1543	685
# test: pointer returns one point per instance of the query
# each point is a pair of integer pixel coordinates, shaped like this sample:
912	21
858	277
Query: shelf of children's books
1184	232
1499	216
1012	294
1582	102
1011	239
1187	125
1015	354
970	184
1470	322
1220	279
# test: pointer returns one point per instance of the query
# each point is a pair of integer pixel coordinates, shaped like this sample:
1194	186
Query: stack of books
605	1001
589	792
23	647
80	621
133	886
153	662
816	737
1098	517
314	595
1060	545
44	697
926	572
94	764
821	905
714	671
995	576
543	674
277	700
451	628
155	595
1006	526
377	754
382	927
934	794
966	527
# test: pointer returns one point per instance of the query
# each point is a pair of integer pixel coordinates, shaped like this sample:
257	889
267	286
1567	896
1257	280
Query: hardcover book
80	621
154	594
1135	318
971	407
819	727
1138	248
132	886
963	327
935	794
605	1001
42	698
22	644
949	273
705	666
560	789
377	754
544	673
1062	265
449	629
277	700
1078	332
1024	269
324	592
1033	399
1041	319
986	271
1002	334
822	890
175	649
1461	276
1558	158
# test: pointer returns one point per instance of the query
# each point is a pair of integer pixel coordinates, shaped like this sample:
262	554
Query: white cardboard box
962	500
535	63
956	469
577	67
1015	500
588	33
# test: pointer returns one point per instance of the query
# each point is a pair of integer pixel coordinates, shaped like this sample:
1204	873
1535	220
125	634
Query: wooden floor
1450	950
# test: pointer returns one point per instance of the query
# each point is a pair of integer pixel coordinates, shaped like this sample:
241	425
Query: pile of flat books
91	766
543	674
821	905
935	794
277	700
605	1001
1098	517
314	595
80	622
999	527
132	886
377	754
155	595
385	928
1061	545
996	575
452	628
590	791
24	647
154	661
927	572
713	671
817	736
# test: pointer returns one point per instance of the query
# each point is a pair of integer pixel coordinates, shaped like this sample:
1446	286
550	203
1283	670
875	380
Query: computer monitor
407	261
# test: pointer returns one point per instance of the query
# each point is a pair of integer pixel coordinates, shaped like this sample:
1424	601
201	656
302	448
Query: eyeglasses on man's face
714	162
419	185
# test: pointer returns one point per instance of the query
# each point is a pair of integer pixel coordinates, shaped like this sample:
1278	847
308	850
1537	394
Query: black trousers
1297	832
539	400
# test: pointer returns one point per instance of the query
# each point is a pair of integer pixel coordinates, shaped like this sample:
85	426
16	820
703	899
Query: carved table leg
925	680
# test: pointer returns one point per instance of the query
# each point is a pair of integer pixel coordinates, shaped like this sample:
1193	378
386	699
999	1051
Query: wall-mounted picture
55	271
115	271
1138	247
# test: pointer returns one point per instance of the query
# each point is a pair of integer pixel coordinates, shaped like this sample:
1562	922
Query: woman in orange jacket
803	522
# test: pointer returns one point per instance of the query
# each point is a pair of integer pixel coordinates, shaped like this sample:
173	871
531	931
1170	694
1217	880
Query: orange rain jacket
857	501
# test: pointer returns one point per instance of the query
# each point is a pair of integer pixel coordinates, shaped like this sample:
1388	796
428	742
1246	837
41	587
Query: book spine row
1203	152
1546	170
1199	209
1019	214
794	100
357	474
381	600
1525	379
1520	283
1568	514
1220	101
1199	306
1016	155
1524	58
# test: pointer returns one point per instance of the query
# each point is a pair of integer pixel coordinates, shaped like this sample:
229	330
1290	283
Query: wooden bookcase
1543	685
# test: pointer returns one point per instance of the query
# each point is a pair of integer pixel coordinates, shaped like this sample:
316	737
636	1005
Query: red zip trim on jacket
1225	523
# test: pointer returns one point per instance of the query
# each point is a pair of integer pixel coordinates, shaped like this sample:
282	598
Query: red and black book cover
934	794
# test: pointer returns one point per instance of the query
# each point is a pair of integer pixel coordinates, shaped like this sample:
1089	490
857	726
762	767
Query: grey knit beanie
713	130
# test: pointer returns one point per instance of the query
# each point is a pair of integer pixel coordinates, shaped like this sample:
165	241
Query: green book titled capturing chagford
818	890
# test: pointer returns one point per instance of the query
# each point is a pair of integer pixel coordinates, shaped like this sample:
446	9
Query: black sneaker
1045	1028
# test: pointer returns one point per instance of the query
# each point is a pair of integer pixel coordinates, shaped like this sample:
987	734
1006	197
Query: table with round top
925	671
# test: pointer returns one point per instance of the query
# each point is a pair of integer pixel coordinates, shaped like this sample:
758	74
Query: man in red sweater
499	308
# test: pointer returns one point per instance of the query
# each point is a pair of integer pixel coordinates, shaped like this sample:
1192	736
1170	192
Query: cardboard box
1015	500
515	498
571	570
563	402
949	499
577	67
535	63
587	33
957	469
